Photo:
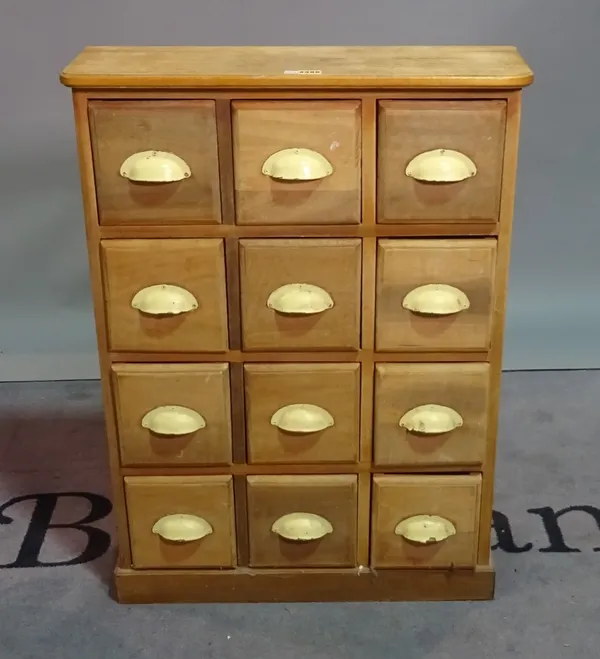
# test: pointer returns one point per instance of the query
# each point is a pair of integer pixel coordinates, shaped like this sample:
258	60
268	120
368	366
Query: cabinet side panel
509	175
90	207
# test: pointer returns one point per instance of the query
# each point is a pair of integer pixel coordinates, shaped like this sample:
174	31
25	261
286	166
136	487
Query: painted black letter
41	521
553	530
506	542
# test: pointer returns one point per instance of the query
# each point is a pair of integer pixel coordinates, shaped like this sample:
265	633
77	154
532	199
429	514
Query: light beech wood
203	388
415	230
209	497
369	259
332	497
341	66
404	265
225	155
196	265
410	128
88	191
329	128
271	387
240	469
184	128
332	264
383	260
455	498
400	388
299	93
303	585
236	356
499	306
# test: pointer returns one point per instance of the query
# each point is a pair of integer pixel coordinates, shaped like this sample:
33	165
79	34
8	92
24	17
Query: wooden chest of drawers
299	260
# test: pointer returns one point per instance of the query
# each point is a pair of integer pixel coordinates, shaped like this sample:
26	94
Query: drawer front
322	313
302	521
190	314
440	160
430	414
181	521
453	312
302	412
173	414
297	162
155	162
425	521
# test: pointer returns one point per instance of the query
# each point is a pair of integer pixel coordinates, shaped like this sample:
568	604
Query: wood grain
404	265
238	413
332	497
236	356
299	93
409	128
332	387
90	208
234	311
455	498
265	66
225	156
331	128
368	297
197	265
238	469
209	497
241	520
465	96
204	388
298	585
368	344
498	318
334	264
185	128
402	387
416	230
363	547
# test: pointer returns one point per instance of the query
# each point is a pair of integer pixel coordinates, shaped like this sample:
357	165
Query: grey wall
46	327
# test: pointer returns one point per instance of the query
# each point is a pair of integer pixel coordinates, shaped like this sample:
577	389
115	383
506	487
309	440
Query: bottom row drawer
301	521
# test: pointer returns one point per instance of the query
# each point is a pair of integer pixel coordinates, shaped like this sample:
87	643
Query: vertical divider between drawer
369	249
225	152
509	174
240	497
92	229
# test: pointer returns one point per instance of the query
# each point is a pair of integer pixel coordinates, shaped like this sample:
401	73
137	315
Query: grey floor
548	598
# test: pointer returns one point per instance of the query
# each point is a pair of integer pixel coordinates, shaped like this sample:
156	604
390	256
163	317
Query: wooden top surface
281	66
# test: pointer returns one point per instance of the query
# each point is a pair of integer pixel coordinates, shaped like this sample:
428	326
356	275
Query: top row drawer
296	162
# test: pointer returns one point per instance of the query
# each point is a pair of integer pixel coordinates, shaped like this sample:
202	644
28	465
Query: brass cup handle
155	167
182	528
436	300
302	527
296	164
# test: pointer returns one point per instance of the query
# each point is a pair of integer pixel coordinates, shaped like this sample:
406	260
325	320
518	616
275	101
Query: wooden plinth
248	585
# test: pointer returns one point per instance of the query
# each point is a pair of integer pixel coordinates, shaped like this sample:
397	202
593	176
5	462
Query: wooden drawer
155	187
302	412
434	319
209	499
333	266
193	266
173	414
453	499
430	414
458	174
316	180
330	540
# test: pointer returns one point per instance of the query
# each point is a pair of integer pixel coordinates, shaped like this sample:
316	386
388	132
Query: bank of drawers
438	161
190	274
